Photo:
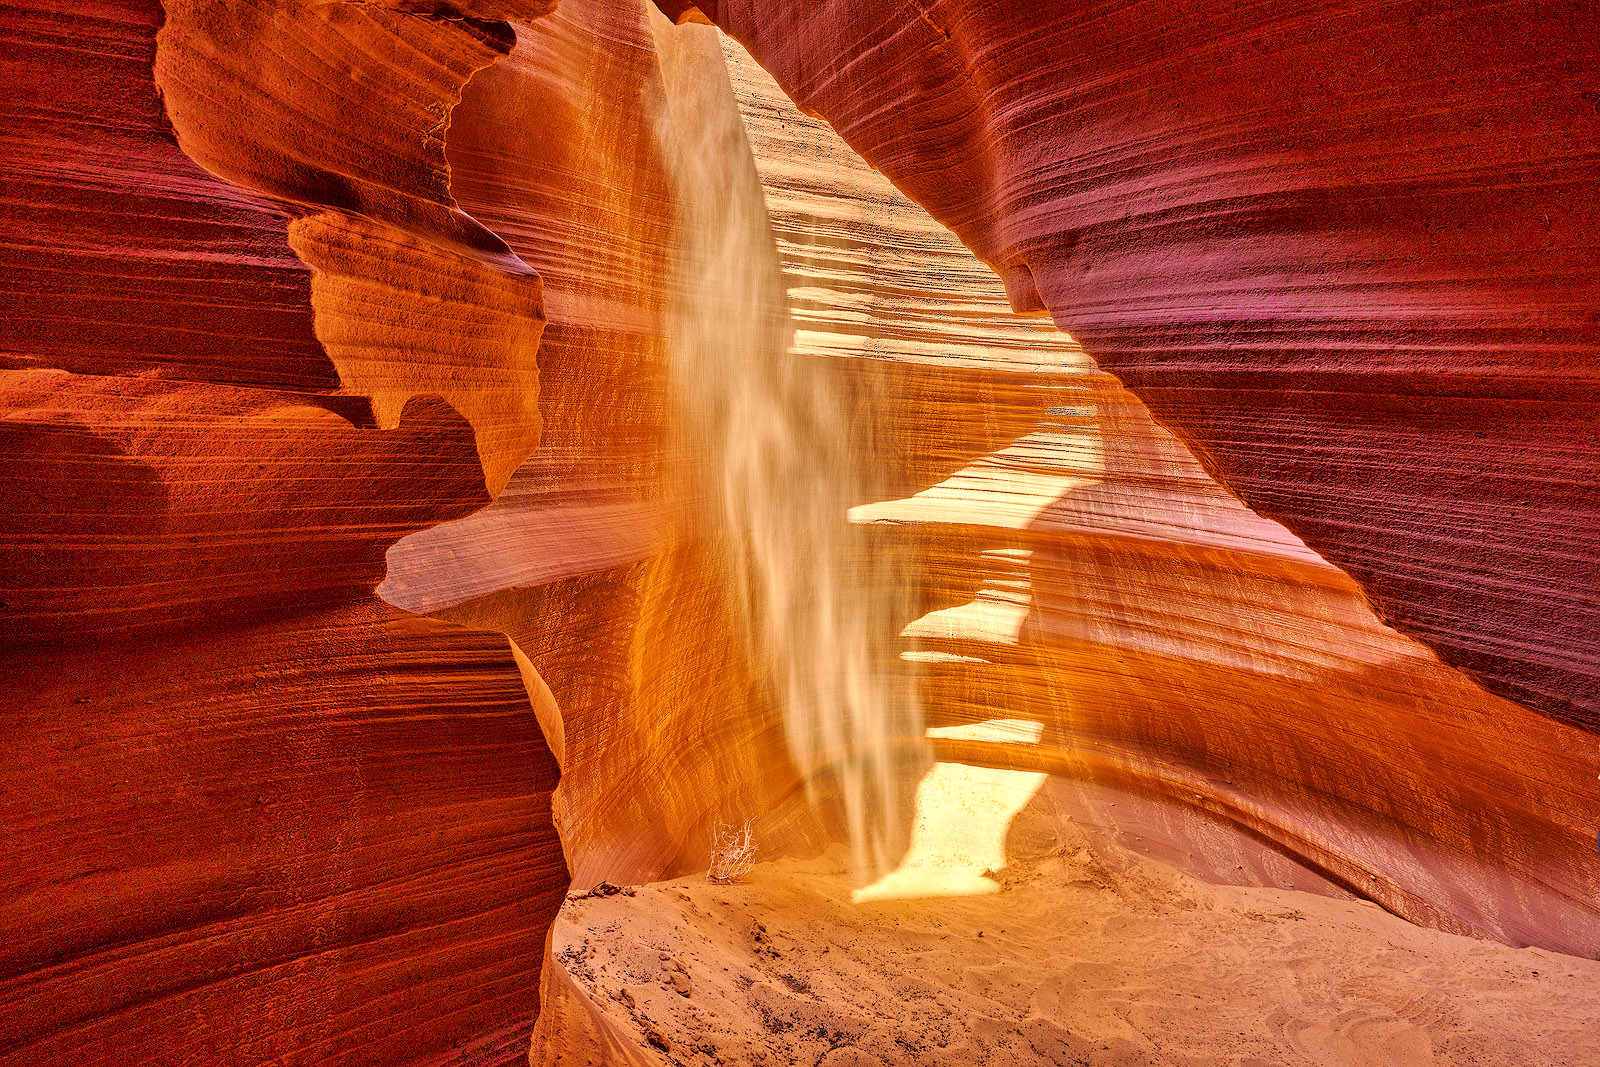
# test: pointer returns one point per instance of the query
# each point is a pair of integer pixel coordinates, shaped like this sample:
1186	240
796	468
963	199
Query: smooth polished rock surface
1080	570
250	341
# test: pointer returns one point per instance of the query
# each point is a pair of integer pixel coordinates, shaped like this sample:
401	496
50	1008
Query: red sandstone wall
263	322
267	323
1209	689
1346	253
602	559
249	341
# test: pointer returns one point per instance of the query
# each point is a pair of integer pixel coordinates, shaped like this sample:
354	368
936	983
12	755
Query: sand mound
1069	960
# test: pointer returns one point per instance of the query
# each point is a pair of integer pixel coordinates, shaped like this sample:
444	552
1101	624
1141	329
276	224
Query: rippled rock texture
1219	683
1345	253
291	281
603	545
305	297
254	813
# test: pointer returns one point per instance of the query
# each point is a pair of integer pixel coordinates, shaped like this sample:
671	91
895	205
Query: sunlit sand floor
1071	956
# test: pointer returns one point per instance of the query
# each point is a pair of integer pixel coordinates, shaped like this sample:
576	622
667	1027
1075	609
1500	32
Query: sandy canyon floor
1068	956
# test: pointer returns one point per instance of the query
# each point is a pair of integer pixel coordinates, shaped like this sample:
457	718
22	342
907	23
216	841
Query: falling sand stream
784	435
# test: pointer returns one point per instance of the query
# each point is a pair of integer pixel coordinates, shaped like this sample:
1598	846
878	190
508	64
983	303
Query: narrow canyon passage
1105	496
1038	906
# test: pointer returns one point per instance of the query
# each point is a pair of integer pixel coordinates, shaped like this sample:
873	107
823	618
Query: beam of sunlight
784	438
995	616
963	814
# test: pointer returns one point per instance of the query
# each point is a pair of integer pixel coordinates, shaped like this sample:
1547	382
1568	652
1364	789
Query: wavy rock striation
308	295
1203	687
602	560
251	342
1345	254
1224	684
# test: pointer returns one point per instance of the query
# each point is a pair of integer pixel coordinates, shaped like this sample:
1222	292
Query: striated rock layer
603	560
249	342
265	324
275	328
1345	253
1231	690
323	839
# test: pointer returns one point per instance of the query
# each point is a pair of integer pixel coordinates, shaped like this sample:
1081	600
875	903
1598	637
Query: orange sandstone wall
278	305
275	332
602	560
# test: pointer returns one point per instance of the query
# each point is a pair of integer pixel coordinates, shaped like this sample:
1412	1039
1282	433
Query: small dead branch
733	853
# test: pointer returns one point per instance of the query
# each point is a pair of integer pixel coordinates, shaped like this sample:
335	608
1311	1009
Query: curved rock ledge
259	815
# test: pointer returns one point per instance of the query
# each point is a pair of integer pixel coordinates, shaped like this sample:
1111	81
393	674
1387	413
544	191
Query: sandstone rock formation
305	296
254	813
1345	254
603	546
1086	572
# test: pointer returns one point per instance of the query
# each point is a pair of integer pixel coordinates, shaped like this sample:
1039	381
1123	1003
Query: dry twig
733	853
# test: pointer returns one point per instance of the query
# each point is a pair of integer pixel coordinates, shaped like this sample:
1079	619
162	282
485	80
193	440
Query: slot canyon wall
305	297
254	813
1345	252
1082	570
